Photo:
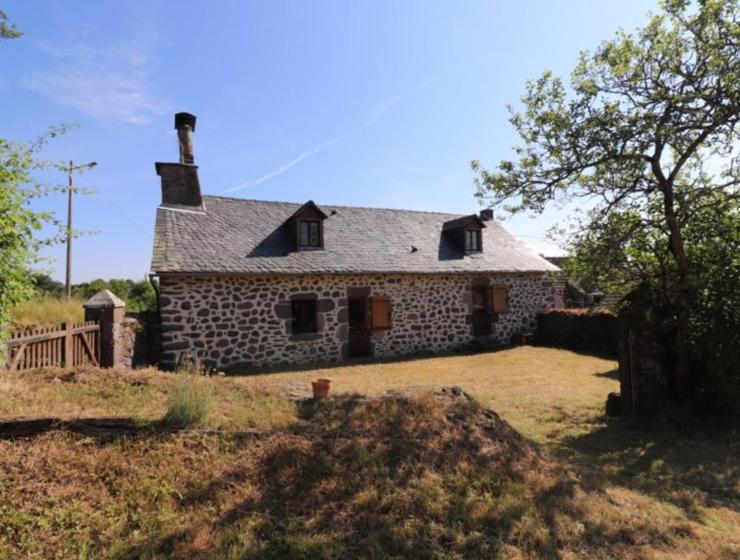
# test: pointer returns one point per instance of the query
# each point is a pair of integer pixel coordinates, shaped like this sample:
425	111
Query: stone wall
246	321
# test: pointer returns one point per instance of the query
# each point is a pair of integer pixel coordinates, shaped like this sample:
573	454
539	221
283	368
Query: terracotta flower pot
320	388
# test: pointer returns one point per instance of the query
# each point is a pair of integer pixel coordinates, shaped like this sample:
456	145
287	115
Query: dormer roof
463	222
307	207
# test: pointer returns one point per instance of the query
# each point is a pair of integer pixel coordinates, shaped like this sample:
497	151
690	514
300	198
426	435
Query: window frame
312	324
486	301
473	235
319	234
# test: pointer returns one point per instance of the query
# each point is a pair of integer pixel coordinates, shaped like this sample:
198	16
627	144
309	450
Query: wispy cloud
107	82
372	117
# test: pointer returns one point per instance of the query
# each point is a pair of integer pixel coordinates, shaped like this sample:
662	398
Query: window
381	307
357	313
480	301
472	240
303	313
500	299
309	233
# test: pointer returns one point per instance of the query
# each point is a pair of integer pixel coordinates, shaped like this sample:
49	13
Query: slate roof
248	237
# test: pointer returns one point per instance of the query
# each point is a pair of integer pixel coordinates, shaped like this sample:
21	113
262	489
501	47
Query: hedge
579	329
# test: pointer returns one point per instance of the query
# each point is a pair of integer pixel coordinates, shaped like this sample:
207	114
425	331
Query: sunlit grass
47	312
324	472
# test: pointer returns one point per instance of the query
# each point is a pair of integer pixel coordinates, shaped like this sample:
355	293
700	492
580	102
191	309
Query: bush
190	403
579	329
192	397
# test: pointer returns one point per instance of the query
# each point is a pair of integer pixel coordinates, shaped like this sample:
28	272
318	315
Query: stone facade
245	321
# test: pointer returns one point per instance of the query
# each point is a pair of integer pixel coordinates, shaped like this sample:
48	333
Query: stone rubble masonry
245	321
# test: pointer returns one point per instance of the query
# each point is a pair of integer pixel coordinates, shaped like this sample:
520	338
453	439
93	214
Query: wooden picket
68	345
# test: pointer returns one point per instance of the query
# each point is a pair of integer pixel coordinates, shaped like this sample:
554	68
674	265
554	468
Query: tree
8	30
651	119
19	224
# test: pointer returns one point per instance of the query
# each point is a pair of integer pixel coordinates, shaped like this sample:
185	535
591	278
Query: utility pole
70	190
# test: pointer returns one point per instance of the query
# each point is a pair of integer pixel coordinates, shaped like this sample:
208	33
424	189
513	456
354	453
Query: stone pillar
109	310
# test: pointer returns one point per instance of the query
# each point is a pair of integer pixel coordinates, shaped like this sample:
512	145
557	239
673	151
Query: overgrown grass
190	403
408	475
46	312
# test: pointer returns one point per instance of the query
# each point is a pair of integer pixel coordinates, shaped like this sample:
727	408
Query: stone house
251	283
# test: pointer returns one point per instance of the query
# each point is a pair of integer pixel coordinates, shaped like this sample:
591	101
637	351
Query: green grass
405	476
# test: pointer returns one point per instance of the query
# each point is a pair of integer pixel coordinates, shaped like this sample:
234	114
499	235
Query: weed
190	402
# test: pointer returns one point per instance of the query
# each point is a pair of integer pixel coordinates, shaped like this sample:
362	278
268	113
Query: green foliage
45	285
139	295
19	224
8	30
641	109
609	254
646	136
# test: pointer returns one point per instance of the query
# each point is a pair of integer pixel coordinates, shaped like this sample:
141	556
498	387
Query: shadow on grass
101	429
243	370
389	477
690	469
239	370
610	374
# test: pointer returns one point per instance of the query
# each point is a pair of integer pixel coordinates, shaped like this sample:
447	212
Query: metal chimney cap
182	119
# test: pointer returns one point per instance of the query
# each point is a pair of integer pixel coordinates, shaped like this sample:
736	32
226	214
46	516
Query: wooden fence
68	345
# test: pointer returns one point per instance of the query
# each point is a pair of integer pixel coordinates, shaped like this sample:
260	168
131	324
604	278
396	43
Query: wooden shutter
500	297
381	313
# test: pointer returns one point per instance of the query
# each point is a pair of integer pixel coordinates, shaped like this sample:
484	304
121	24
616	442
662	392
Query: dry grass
409	475
46	312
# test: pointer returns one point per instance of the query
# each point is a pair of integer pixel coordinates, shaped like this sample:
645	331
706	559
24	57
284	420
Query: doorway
359	330
482	316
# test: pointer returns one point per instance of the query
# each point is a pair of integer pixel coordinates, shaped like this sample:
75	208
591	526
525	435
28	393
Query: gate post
109	311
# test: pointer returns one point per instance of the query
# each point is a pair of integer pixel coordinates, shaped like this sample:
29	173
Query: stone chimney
486	214
180	185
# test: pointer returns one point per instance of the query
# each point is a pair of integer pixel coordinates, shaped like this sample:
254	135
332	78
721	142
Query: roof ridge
338	206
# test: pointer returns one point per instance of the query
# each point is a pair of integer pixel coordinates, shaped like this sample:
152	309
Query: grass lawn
404	476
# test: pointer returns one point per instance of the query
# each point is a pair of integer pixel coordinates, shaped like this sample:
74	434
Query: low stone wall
578	329
246	321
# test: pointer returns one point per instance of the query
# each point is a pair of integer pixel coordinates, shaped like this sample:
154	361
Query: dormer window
309	235
465	233
306	227
472	241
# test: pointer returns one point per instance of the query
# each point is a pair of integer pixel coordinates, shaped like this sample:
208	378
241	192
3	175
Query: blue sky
376	103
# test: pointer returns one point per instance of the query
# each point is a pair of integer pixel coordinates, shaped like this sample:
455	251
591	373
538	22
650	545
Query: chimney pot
486	214
185	125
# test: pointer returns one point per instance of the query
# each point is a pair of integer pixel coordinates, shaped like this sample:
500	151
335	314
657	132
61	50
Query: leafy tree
650	121
45	285
19	224
139	295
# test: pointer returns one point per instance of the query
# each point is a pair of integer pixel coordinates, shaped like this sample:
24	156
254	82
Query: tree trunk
682	374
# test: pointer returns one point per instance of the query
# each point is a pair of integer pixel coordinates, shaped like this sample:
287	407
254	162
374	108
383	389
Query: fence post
109	311
68	347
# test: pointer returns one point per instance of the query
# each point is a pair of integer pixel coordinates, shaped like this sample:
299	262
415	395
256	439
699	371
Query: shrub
190	402
579	329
